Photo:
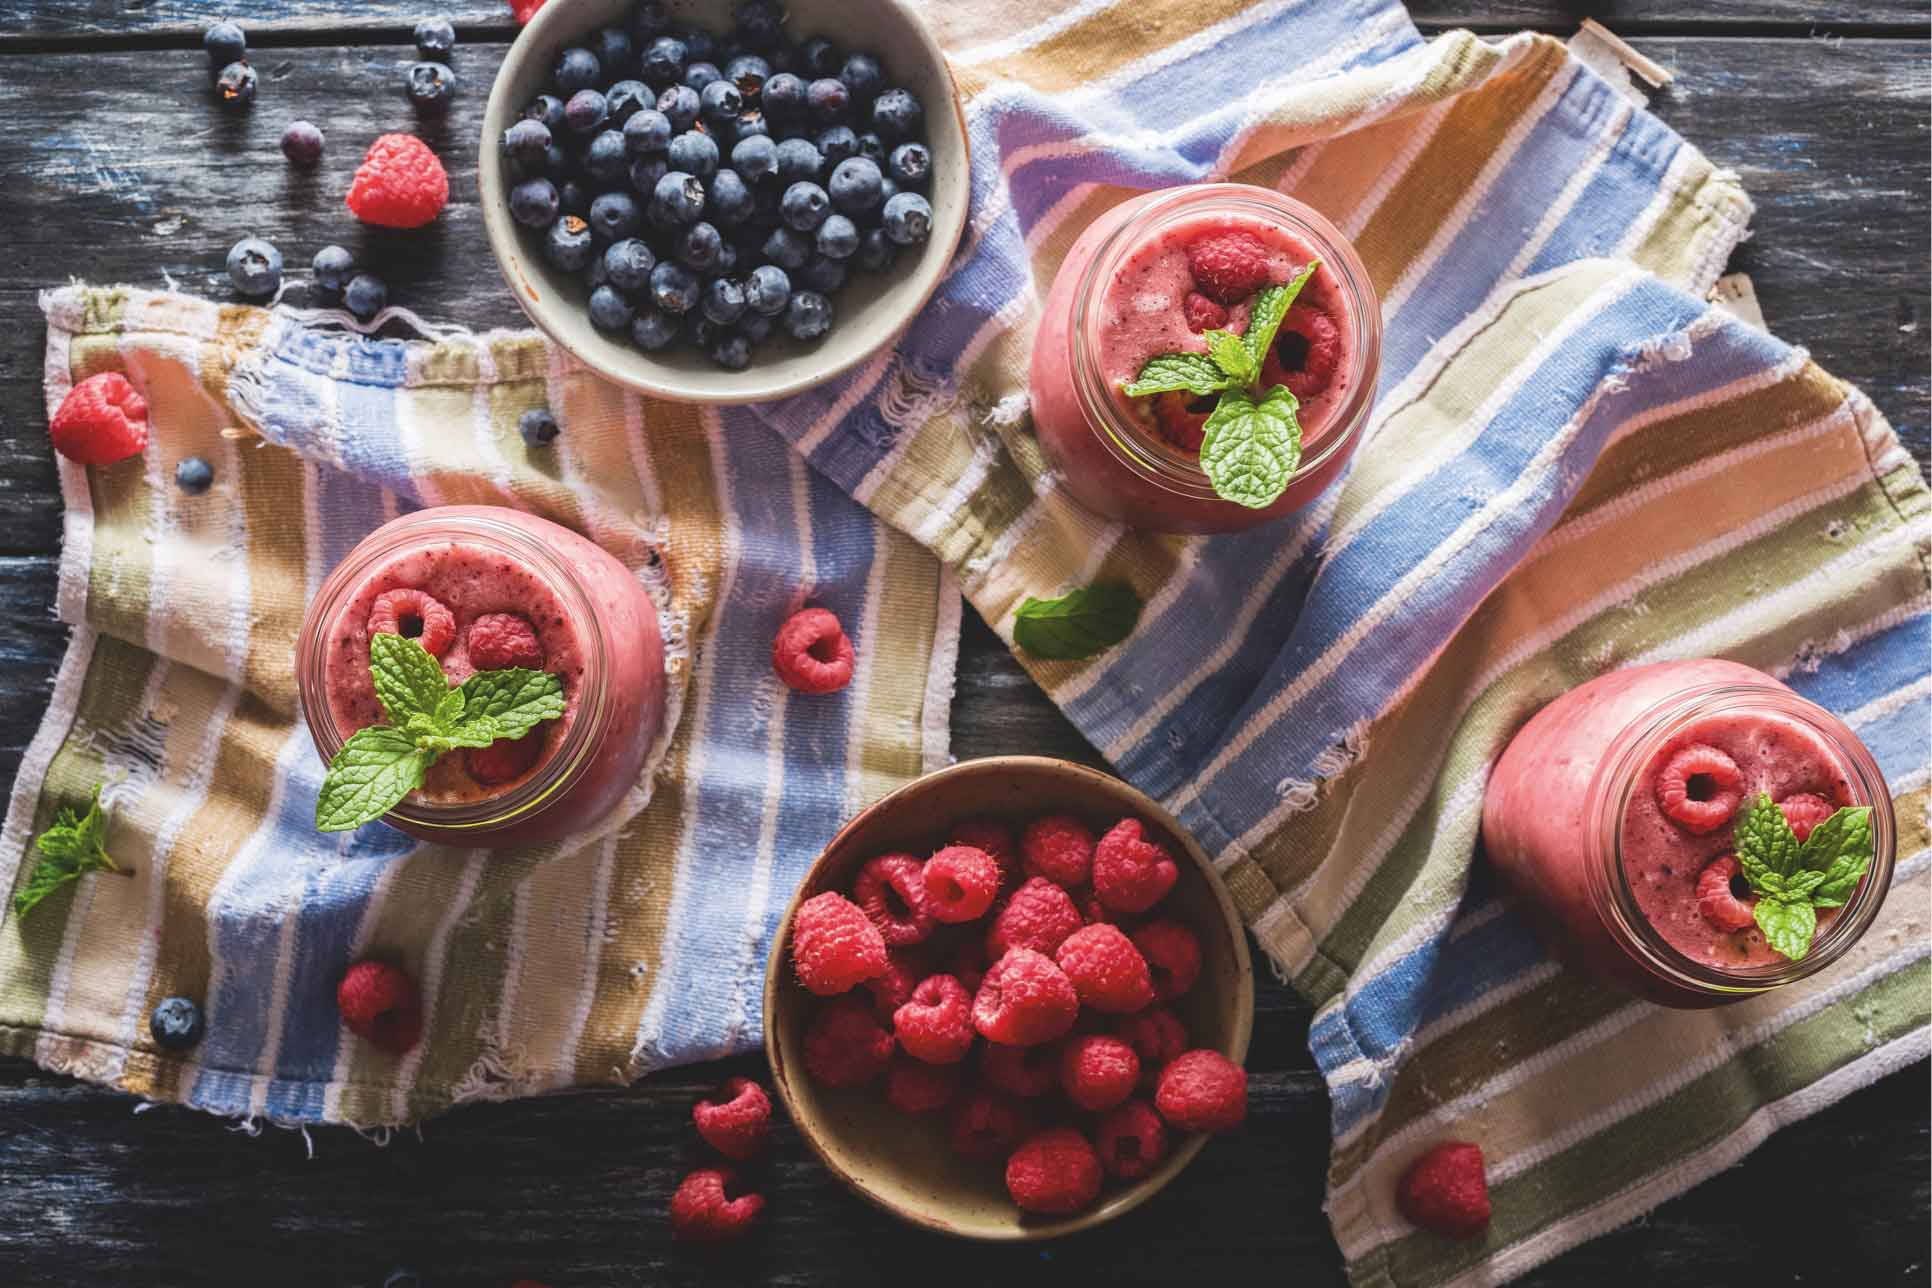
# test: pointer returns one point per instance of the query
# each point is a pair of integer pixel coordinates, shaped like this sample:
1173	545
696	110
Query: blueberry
748	74
783	97
700	75
569	244
783	56
645	172
729	199
302	143
577	68
331	267
727	265
700	45
539	429
194	476
804	206
838	237
787	249
609	310
616	56
674	288
808	316
798	161
680	104
534	203
862	75
856	186
435	39
235	87
365	296
908	218
225	44
699	247
751	123
896	114
822	274
596	275
652	330
646	132
755	157
731	351
626	99
836	144
821	57
615	215
527	143
887	191
255	267
176	1022
827	100
587	111
648	20
547	108
755	327
875	252
694	153
760	22
724	300
768	289
911	165
872	148
628	264
573	198
664	60
720	102
605	159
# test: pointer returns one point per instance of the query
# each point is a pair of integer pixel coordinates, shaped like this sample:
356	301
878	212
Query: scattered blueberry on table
302	143
176	1021
235	85
710	190
365	296
435	39
255	267
538	427
193	475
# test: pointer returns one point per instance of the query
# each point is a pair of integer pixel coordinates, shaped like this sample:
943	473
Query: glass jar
1569	824
597	627
1111	456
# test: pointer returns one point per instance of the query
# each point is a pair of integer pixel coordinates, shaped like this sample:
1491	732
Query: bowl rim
1236	1049
506	249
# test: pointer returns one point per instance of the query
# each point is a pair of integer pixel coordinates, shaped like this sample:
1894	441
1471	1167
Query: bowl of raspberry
724	201
1010	1001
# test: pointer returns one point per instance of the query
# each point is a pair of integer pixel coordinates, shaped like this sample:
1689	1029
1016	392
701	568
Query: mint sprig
1793	880
1084	621
1258	446
381	764
75	845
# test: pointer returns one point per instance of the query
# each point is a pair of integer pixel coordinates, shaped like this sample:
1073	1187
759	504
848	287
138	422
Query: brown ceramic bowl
870	310
903	1163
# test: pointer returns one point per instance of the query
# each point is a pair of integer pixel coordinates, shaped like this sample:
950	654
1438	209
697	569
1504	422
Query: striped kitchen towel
1576	463
585	962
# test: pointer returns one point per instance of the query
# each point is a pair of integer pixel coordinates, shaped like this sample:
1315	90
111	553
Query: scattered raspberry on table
103	419
1446	1191
379	1003
400	184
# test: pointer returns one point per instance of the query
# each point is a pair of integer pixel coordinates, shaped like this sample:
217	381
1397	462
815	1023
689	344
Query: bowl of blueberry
723	201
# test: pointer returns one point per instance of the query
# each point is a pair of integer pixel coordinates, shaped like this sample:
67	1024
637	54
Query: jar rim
418	529
1616	779
1145	454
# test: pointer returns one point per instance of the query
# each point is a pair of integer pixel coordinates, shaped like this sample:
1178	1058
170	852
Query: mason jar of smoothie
1613	818
483	588
1153	277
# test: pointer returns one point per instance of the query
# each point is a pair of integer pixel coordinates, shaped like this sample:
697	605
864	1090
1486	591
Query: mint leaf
1078	624
375	769
1767	849
408	680
76	844
1841	849
450	709
1167	372
478	731
1788	924
1250	449
1793	881
1271	305
1232	356
516	699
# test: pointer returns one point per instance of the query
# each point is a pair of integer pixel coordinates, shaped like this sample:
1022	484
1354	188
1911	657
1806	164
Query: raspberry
989	1126
413	615
381	1006
499	641
1058	847
1805	811
1025	999
893	989
968	964
1098	1072
1723	895
1055	1172
835	945
400	184
992	837
737	1120
506	759
1106	970
711	1206
891	891
1700	788
1228	267
101	420
1025	1072
1181	418
1040	916
1445	1191
845	1045
1131	871
1306	354
524	10
1203	1091
1202	314
1173	956
915	1087
937	1024
811	653
960	883
1157	1036
1131	1141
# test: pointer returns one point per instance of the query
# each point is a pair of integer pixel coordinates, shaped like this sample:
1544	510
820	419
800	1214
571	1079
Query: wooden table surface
115	167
